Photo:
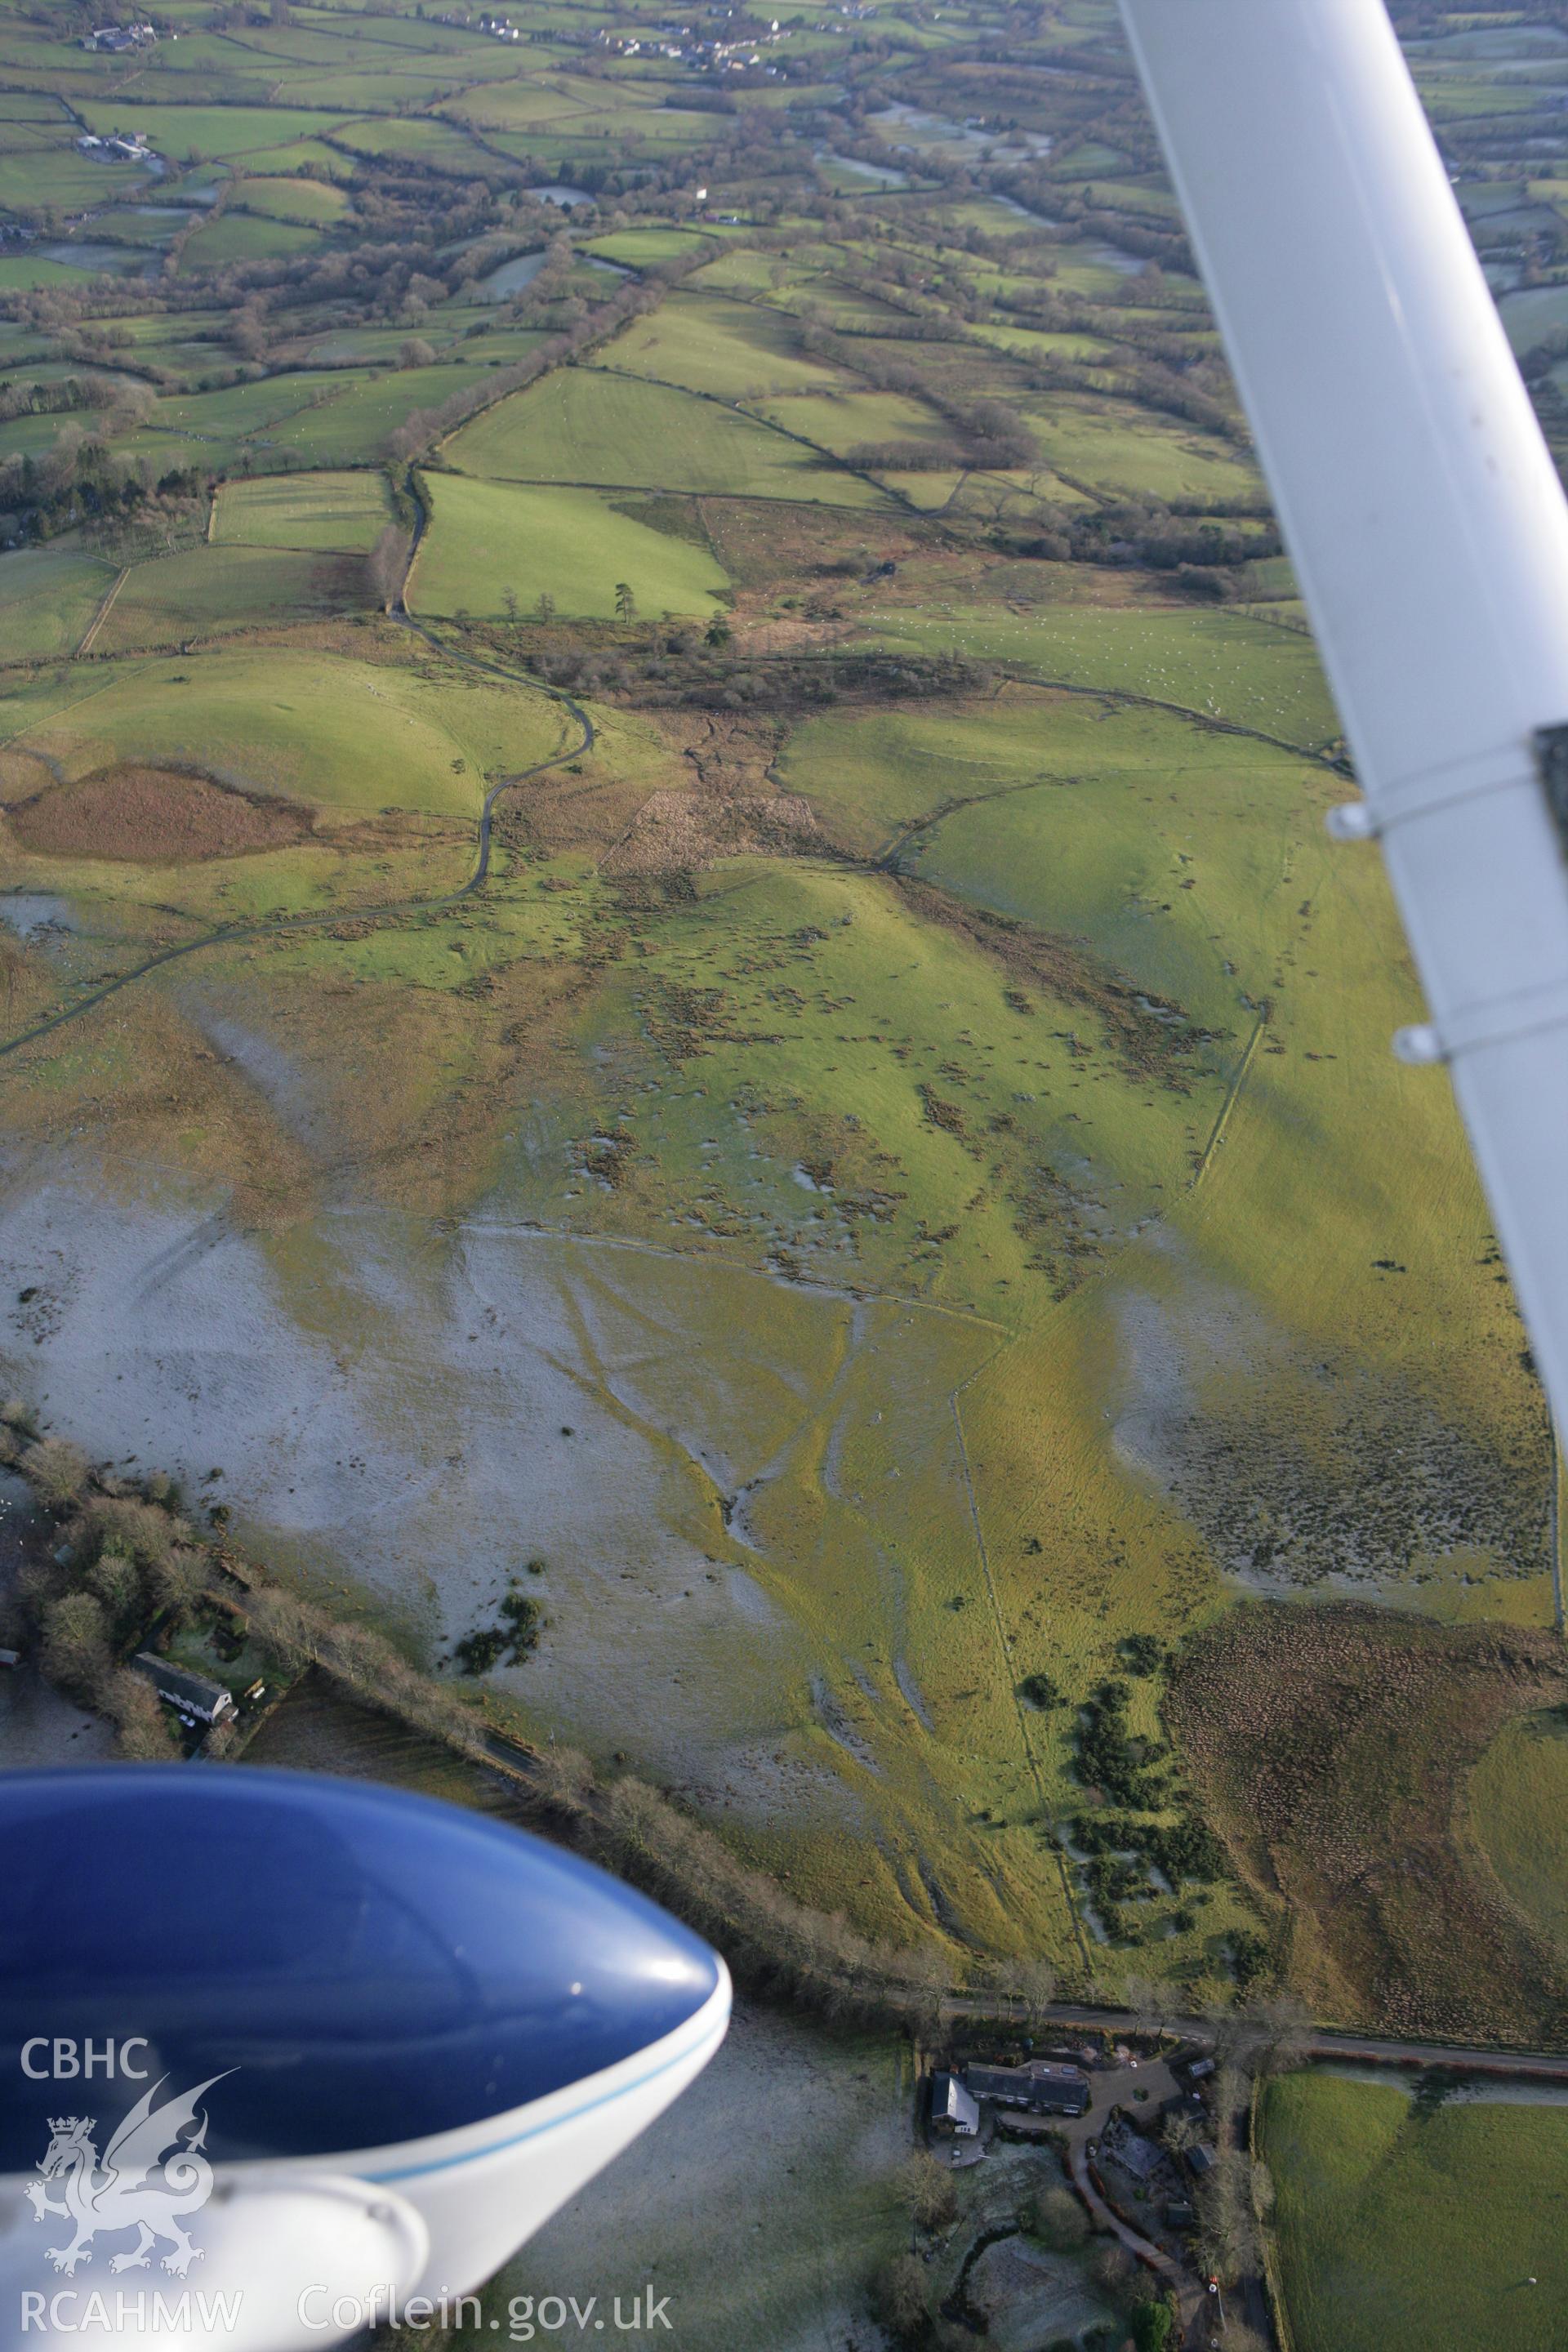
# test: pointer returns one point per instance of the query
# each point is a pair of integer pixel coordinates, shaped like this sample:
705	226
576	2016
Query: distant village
680	43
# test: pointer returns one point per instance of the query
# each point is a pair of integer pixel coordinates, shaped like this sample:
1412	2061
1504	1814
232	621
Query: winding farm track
282	926
1189	2295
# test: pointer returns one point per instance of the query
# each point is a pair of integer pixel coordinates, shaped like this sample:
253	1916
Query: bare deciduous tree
57	1469
384	566
145	1737
925	2187
76	1652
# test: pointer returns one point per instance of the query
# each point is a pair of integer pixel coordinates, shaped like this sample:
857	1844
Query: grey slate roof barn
1043	2086
193	1694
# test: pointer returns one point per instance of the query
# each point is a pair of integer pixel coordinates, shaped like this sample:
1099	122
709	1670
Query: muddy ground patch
152	815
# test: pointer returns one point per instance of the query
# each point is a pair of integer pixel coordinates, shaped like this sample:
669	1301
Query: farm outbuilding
953	2111
192	1695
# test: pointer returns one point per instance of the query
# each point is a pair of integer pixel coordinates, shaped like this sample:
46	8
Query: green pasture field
858	1028
296	44
843	306
746	270
281	162
62	176
550	151
240	411
171	598
31	106
244	237
310	726
576	546
502	344
740	350
636	247
1517	1812
839	419
991	213
511	106
1147	196
1270	578
58	179
930	492
47	598
376	346
317	32
1115	446
350	428
657	130
1027	343
130	225
1456	98
176	350
584	425
1398	2231
1553	192
439	144
310	511
384	88
1218	664
33	368
842	177
21	274
308	201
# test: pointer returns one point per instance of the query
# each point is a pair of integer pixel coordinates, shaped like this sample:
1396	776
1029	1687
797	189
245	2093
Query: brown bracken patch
1331	1747
153	815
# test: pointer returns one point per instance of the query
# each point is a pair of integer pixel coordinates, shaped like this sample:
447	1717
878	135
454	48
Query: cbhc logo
70	2061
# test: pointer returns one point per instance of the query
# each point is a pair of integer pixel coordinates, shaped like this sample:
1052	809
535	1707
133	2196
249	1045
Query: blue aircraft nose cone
365	1967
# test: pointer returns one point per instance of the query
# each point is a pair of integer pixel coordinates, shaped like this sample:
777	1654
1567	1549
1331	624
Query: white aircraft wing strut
1428	531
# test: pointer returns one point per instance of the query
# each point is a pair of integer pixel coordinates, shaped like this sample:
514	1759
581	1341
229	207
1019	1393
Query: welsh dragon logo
137	2186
